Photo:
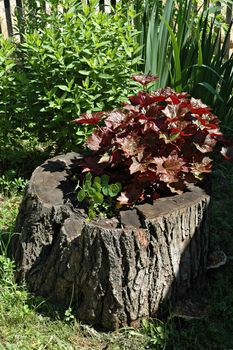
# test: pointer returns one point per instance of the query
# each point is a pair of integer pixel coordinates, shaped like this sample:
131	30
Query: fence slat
8	17
3	23
228	21
7	8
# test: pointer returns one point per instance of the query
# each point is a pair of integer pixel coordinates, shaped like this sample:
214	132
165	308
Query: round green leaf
81	195
105	184
87	182
114	189
96	196
104	180
97	183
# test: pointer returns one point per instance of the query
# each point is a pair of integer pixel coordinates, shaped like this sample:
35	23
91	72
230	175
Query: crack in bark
141	217
125	280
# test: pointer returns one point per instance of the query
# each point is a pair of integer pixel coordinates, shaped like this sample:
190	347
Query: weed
11	185
98	194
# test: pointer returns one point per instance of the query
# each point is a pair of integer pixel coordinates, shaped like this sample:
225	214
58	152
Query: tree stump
113	272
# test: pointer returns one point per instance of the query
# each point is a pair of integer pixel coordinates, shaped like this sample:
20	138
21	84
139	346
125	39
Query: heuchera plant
155	145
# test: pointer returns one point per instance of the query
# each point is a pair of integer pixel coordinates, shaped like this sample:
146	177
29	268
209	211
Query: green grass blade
200	55
208	87
164	57
176	55
209	68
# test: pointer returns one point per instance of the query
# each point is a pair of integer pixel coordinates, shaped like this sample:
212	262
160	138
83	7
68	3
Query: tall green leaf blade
200	56
176	55
208	87
164	54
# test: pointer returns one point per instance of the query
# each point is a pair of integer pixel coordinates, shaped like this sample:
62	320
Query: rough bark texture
116	271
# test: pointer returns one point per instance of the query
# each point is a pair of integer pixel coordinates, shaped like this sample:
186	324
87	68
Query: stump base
113	272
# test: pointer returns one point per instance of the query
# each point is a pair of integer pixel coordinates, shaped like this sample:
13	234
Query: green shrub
70	61
7	65
10	93
10	184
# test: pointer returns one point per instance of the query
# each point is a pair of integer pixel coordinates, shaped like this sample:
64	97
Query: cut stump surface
113	272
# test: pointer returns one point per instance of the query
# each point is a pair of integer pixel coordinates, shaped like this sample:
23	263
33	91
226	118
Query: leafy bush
70	60
154	146
7	65
10	184
83	66
10	94
13	109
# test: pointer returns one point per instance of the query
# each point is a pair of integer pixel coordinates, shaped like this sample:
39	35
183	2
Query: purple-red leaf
129	144
116	118
94	141
144	79
142	98
168	169
89	118
204	166
131	194
155	144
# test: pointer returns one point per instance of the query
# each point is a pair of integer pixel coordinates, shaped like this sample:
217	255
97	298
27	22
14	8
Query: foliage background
69	61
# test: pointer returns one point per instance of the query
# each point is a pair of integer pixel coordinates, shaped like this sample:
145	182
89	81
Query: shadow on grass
23	159
214	330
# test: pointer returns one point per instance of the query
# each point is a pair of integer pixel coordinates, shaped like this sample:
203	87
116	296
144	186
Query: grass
22	326
28	322
215	330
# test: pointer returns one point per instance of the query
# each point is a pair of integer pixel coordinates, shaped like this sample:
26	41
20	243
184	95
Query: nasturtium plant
97	194
155	145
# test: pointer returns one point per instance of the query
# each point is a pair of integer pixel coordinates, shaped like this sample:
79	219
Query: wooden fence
8	7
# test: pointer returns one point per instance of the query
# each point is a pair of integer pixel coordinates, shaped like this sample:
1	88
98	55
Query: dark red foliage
92	119
157	144
144	79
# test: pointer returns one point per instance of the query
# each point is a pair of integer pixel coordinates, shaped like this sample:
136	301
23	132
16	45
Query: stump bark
115	271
